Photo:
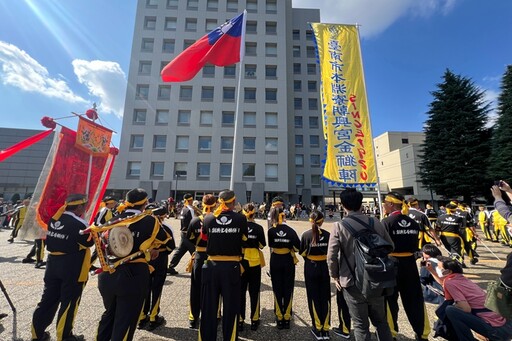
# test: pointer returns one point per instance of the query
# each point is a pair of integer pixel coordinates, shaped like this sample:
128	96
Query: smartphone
498	183
423	263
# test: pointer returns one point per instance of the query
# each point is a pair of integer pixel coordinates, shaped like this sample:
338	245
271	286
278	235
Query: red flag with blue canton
222	46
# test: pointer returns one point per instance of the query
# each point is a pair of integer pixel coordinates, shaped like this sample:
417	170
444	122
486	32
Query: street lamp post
176	177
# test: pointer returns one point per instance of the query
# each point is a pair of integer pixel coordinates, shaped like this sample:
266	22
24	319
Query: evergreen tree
456	147
501	143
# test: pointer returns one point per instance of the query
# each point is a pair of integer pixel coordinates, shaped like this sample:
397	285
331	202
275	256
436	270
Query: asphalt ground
24	286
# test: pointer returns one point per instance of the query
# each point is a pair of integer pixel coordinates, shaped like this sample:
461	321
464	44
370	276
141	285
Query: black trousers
282	271
251	280
343	312
318	291
220	279
453	244
156	284
195	286
37	250
123	294
61	292
409	288
185	246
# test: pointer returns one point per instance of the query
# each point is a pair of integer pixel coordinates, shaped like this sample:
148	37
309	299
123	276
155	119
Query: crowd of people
226	246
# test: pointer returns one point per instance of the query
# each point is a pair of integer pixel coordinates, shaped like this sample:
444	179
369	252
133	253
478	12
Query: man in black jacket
186	215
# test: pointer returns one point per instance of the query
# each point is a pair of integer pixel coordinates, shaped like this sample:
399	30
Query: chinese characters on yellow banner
349	159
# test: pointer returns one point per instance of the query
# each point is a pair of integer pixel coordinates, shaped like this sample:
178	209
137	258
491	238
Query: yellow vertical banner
349	158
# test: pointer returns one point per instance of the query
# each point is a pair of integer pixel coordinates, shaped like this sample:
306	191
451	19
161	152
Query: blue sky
58	57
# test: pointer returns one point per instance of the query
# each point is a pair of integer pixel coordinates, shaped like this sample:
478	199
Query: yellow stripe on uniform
62	323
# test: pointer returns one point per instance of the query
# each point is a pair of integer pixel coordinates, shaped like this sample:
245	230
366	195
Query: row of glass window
213	5
203	171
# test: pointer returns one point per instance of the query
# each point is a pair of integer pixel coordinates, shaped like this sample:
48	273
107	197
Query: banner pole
234	158
89	171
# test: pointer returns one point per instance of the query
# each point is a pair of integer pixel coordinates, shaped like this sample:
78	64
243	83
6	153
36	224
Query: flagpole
234	157
379	195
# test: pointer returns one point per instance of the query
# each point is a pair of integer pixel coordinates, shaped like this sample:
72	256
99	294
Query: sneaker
338	331
280	324
10	240
40	265
325	335
3	315
255	325
28	260
192	324
74	338
156	323
286	324
474	261
143	323
171	271
318	335
241	326
45	337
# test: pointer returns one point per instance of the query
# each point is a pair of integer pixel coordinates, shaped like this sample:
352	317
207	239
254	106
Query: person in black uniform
313	247
225	230
404	232
252	262
194	234
450	226
124	290
432	215
105	214
186	215
66	271
151	307
468	233
284	243
427	233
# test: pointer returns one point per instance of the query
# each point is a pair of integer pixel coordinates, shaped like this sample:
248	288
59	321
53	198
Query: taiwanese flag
222	46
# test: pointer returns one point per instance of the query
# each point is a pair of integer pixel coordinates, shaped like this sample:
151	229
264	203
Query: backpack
375	271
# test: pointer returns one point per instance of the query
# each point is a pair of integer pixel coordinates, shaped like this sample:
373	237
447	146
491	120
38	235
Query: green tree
456	147
501	142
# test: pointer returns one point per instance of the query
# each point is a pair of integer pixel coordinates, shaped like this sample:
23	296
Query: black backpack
375	271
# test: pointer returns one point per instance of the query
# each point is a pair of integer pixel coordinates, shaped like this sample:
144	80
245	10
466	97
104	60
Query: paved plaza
24	285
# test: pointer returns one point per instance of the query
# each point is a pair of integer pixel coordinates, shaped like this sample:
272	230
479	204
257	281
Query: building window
251	27
212	5
228	118
297	85
209	71
252	6
191	24
185	93
147	45
298	121
314	160
228	94
312	86
232	6
151	4
313	104
313	122
405	141
249	169
250	49
315	180
183	117
296	34
139	116
271	171
170	24
192	5
299	141
250	94
225	170
203	170
271	144
297	103
314	141
206	118
296	51
271	6
162	117
299	160
296	69
136	141
271	95
270	119
311	69
133	168
309	35
142	91
172	4
168	46
180	169
210	25
271	28
226	143
157	169
249	144
250	70
249	119
207	93
310	52
271	49
182	143
164	92
159	141
299	179
149	23
229	71
205	143
271	71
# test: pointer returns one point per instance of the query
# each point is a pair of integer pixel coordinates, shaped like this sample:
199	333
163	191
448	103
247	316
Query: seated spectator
432	291
467	312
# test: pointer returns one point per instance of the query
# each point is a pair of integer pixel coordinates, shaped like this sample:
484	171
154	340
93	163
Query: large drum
119	241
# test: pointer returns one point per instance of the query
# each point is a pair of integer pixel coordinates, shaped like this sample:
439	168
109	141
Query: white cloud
491	96
105	80
374	16
20	70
